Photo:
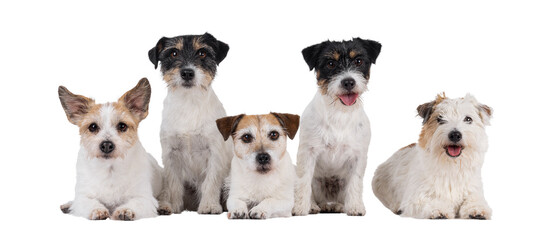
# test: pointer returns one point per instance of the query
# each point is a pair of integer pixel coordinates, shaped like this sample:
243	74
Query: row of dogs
215	163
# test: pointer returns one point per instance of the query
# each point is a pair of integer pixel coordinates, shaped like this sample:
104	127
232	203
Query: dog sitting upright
335	131
439	177
195	158
262	175
114	172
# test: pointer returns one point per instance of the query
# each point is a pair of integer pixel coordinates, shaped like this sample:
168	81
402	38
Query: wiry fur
334	135
196	159
423	181
122	184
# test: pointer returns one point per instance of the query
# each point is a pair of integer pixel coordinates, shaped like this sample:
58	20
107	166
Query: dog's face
107	130
342	68
454	127
188	61
259	140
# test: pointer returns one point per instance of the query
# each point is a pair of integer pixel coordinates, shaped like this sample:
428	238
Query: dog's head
107	130
342	68
259	140
188	61
454	127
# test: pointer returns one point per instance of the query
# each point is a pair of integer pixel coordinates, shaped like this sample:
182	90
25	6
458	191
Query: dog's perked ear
485	112
373	48
154	53
137	99
425	110
75	106
228	125
310	55
220	48
290	123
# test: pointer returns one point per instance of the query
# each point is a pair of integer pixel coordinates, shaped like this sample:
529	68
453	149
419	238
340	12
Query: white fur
426	182
193	150
334	141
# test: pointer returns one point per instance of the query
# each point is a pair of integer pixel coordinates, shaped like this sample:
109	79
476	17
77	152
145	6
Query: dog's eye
174	54
331	64
440	120
274	135
122	127
468	120
247	138
201	53
93	127
358	61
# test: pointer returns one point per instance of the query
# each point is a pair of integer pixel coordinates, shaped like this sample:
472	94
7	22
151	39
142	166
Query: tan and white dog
262	176
440	176
114	172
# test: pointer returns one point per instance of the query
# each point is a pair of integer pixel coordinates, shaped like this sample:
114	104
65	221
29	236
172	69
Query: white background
99	49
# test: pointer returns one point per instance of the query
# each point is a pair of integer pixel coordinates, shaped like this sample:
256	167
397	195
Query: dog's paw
332	207
355	210
210	209
99	214
300	209
238	214
124	214
475	212
258	213
439	214
314	209
164	208
65	208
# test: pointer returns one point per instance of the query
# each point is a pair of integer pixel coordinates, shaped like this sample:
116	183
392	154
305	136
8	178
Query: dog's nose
263	158
187	74
455	136
348	83
107	146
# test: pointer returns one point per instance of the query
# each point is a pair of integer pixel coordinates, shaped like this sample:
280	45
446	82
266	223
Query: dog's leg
475	207
237	208
171	199
271	207
353	202
89	208
65	208
136	208
420	205
211	187
306	163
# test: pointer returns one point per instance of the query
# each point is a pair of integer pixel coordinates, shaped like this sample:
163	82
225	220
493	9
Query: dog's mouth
453	150
348	99
265	168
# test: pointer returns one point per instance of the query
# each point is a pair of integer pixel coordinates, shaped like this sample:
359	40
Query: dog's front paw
65	208
258	213
355	209
210	209
241	213
99	214
300	209
475	212
314	208
440	214
164	208
124	214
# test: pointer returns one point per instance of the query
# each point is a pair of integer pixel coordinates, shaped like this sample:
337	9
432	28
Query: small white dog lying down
440	177
262	176
114	172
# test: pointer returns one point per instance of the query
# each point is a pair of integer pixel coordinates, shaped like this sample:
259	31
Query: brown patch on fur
197	44
289	122
228	125
409	146
180	44
170	76
323	86
99	214
486	109
336	56
430	122
137	99
249	120
353	54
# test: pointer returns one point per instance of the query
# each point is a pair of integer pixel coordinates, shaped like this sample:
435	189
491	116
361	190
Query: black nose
263	158
187	74
455	136
348	83
107	146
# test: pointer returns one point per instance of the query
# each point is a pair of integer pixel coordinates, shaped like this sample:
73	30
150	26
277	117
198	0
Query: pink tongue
349	99
454	150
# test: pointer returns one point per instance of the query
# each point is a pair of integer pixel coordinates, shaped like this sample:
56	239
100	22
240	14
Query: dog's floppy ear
290	123
154	53
138	99
425	110
372	48
220	48
228	125
75	106
310	55
485	112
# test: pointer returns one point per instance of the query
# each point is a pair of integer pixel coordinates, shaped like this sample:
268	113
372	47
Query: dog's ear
485	112
290	123
138	99
75	106
425	110
310	55
220	48
372	48
228	125
154	53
